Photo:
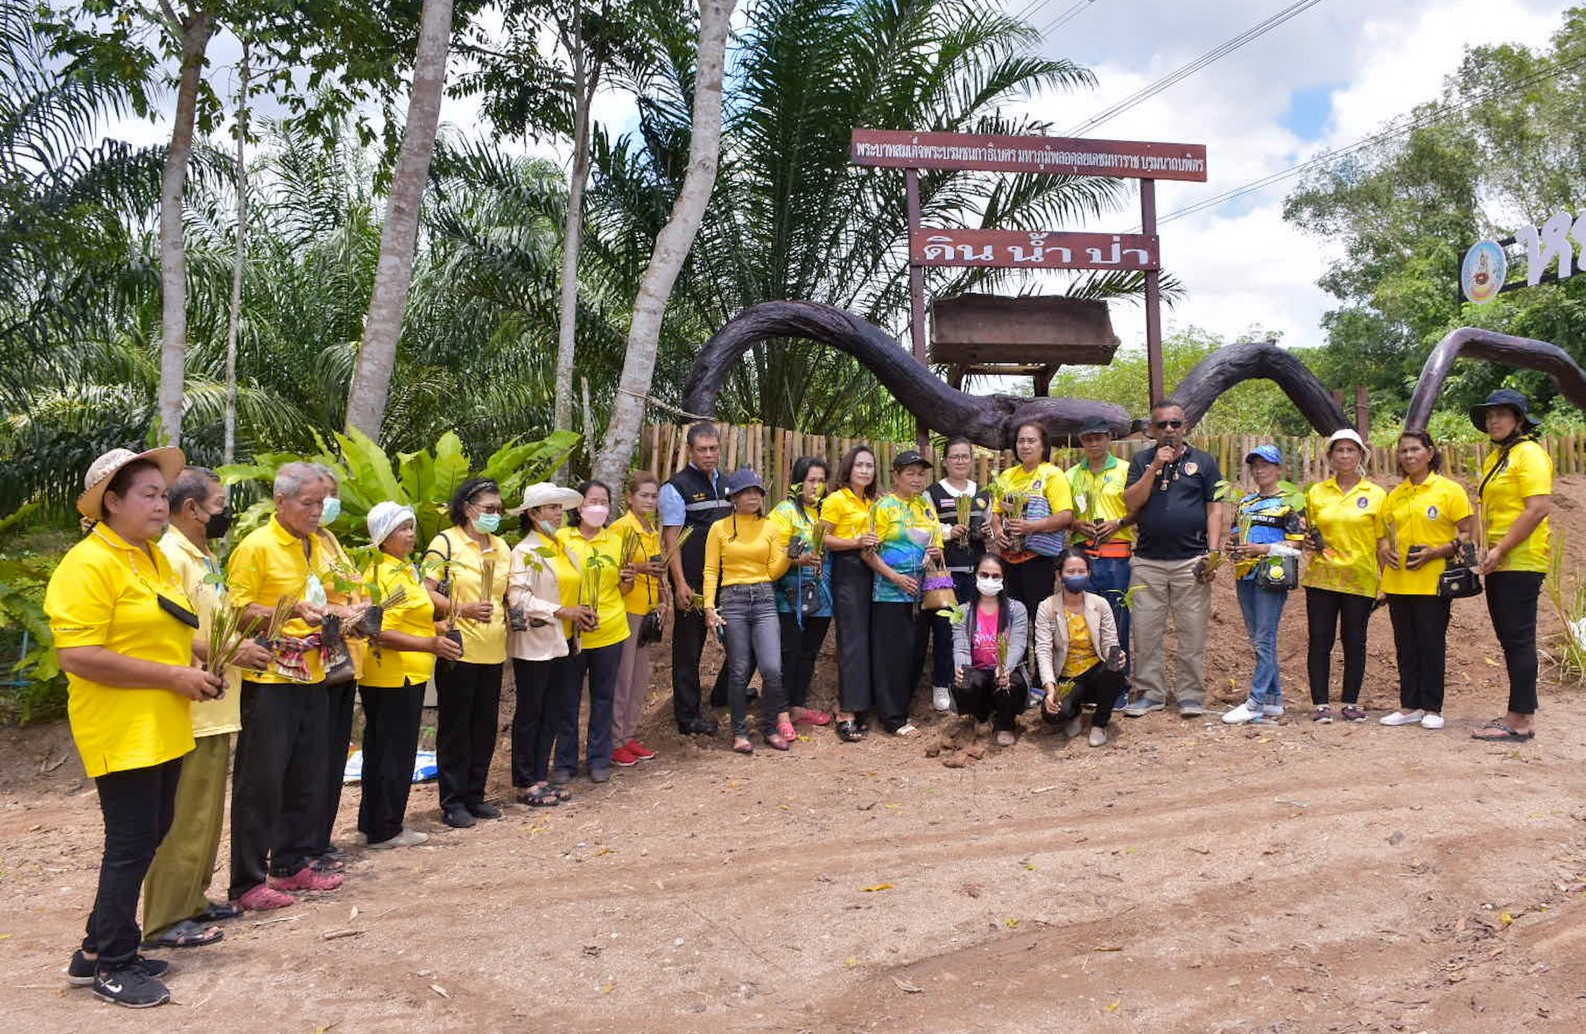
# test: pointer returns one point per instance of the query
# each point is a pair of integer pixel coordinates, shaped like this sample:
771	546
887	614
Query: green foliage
32	685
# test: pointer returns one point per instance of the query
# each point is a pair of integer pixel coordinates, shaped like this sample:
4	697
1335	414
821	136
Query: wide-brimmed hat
1270	453
910	458
543	493
386	517
90	504
742	479
1515	400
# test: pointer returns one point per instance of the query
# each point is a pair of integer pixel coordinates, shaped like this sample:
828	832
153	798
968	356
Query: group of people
1030	588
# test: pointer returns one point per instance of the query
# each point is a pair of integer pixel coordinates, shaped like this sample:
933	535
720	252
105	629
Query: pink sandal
812	716
787	732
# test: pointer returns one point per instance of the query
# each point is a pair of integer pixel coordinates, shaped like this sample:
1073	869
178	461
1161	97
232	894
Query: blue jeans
754	638
1109	579
1263	610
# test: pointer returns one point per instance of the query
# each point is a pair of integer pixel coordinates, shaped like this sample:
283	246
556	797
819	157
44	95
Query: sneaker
264	898
457	817
1431	721
80	971
942	698
639	750
1144	706
1400	718
1248	711
406	838
130	986
1354	713
484	810
559	777
1323	715
622	757
600	775
307	879
1272	710
1191	709
1098	737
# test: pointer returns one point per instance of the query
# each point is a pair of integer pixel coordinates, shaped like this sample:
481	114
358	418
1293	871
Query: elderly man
279	773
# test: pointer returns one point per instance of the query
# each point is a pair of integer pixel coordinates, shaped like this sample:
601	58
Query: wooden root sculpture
1475	343
1234	364
988	420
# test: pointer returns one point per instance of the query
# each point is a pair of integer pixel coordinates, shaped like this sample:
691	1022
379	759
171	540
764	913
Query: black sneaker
702	727
483	810
80	973
458	817
132	987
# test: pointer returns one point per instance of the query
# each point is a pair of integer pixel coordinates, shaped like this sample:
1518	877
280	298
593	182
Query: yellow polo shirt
484	642
1427	514
1351	524
386	667
608	601
1528	473
271	564
847	513
1054	485
645	595
1099	497
192	566
103	593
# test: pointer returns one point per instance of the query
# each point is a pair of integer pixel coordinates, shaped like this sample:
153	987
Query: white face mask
988	586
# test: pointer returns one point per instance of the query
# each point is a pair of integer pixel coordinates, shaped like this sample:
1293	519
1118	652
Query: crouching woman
988	652
1077	651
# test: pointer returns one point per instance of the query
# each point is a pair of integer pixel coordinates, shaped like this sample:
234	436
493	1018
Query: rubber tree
672	245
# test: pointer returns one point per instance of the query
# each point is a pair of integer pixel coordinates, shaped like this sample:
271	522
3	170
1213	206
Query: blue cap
1269	453
742	479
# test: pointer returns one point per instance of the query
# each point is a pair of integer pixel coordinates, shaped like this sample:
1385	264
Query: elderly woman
399	665
1516	496
467	585
542	627
124	630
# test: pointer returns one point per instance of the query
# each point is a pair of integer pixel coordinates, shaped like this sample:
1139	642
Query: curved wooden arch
1475	343
1259	360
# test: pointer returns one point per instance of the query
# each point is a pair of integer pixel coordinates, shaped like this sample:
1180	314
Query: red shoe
307	879
812	716
622	757
639	750
265	897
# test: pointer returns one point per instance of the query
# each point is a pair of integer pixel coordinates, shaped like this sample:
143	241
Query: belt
1110	551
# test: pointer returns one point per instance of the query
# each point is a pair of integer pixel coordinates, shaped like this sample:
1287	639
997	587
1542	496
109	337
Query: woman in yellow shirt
633	674
1076	643
462	559
597	553
1032	543
1516	497
399	663
123	631
1426	520
847	514
745	554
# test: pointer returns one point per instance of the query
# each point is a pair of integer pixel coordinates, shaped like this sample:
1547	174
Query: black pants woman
536	685
392	719
851	586
469	698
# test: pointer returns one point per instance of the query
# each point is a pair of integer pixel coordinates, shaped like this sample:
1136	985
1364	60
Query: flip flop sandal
850	732
186	934
219	912
743	746
1504	733
540	797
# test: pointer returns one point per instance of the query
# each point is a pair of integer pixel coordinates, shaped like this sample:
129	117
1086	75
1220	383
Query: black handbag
651	628
1281	571
1459	579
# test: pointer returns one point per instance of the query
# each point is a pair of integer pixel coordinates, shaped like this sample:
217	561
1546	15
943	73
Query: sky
1324	79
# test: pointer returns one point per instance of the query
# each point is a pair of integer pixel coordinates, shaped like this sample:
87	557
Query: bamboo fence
772	451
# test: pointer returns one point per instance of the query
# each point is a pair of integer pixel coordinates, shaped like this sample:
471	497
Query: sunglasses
1170	423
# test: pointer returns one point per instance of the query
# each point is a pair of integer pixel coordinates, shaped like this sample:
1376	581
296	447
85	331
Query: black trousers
469	696
1420	639
688	642
981	698
601	665
897	658
534	719
852	582
1097	686
1511	603
801	649
338	723
138	804
392	716
1030	582
1332	615
278	775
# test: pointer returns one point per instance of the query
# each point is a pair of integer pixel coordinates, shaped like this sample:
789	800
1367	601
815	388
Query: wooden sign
1061	156
1024	249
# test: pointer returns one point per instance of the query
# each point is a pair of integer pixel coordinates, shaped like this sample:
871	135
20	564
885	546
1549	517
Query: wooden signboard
1021	249
1052	155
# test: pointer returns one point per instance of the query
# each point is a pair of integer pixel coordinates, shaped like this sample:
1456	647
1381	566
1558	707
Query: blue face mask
331	512
488	522
1076	582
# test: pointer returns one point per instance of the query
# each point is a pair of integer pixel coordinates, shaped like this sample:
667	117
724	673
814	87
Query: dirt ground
1188	877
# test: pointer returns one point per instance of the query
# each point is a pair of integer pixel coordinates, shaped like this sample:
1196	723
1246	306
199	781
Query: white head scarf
385	518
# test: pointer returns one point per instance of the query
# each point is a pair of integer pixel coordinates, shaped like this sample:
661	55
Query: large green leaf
517	464
370	478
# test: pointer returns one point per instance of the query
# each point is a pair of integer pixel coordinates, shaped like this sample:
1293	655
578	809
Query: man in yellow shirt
176	910
279	774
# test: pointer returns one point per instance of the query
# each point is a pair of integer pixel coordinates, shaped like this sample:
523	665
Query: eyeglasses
1170	423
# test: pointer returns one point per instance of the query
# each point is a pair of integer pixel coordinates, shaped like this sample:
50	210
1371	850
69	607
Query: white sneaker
1400	718
1098	737
1248	711
1272	710
1431	721
942	698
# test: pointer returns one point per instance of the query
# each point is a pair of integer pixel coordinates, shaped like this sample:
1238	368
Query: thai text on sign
1063	156
1012	249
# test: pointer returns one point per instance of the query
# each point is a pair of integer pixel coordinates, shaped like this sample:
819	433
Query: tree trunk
573	228
671	247
195	30
234	317
371	381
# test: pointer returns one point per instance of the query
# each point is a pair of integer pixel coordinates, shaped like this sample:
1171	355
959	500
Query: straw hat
544	493
90	504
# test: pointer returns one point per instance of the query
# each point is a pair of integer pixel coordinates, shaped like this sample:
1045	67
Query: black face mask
220	523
